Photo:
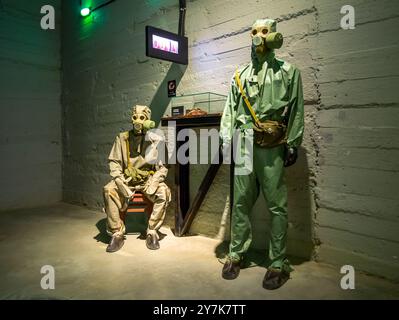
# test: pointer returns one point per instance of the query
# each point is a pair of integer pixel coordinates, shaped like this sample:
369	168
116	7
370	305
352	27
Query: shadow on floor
134	225
254	257
102	235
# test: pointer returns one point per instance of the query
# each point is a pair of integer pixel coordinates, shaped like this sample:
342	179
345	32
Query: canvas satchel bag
269	133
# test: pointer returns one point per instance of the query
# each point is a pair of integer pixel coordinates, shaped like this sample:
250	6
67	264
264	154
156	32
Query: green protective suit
273	88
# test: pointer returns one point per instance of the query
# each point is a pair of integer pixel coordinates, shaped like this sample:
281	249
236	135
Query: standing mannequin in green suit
273	88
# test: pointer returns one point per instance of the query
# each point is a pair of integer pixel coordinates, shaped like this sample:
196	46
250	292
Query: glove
290	156
136	176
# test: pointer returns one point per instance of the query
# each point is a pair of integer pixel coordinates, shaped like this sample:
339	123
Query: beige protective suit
130	147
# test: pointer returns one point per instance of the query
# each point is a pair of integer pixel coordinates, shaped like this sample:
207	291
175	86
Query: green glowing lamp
85	12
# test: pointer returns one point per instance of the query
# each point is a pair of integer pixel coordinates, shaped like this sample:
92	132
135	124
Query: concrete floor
71	239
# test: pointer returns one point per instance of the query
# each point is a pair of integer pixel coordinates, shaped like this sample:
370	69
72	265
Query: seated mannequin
134	166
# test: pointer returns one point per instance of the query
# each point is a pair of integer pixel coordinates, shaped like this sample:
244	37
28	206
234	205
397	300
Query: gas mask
141	116
264	36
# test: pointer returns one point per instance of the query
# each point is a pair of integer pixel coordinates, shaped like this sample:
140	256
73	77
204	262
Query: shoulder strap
247	103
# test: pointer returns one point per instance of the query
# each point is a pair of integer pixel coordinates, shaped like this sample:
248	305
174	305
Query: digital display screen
165	44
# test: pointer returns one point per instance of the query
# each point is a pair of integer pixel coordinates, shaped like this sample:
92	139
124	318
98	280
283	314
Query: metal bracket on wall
182	17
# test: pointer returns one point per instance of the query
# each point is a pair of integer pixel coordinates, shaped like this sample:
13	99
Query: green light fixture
85	12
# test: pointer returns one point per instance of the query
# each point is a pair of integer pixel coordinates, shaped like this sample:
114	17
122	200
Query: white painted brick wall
30	92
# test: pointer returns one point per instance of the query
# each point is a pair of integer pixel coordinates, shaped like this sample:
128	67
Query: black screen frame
181	57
